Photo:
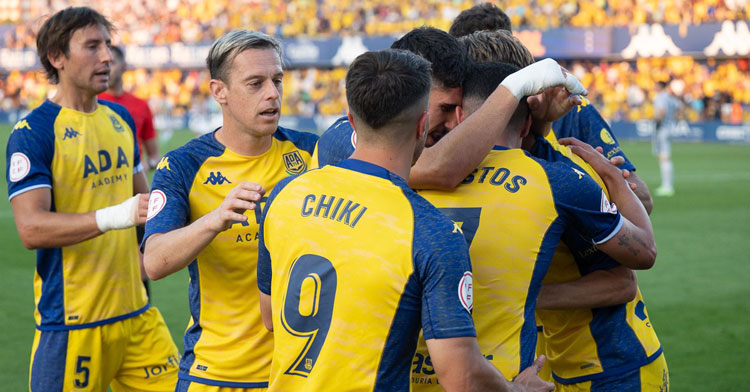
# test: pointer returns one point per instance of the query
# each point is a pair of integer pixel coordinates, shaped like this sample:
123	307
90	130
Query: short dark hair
481	17
382	84
117	52
54	35
484	79
496	46
448	58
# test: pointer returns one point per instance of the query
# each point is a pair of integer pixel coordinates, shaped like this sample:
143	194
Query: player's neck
74	98
397	161
241	141
116	89
509	140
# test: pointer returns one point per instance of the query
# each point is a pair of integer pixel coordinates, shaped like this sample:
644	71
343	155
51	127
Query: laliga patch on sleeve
466	291
607	206
20	166
156	202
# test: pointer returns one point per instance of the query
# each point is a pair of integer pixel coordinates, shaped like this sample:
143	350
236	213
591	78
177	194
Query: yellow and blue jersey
88	161
513	210
591	344
356	263
336	143
586	124
226	344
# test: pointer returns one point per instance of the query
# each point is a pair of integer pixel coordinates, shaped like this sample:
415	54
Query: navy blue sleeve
586	124
337	143
443	271
29	153
125	114
264	257
169	203
582	203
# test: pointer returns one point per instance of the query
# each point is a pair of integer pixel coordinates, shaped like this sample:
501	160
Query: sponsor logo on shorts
466	291
156	202
20	166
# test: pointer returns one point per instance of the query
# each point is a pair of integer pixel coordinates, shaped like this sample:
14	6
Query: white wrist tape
540	76
116	217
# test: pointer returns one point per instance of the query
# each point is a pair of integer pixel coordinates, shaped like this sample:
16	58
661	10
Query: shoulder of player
38	123
302	140
427	218
188	158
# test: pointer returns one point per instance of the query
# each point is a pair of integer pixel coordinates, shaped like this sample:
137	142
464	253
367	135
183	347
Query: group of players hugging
455	231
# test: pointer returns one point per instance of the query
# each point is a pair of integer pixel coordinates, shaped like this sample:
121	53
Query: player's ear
57	59
351	119
218	90
460	114
422	125
526	126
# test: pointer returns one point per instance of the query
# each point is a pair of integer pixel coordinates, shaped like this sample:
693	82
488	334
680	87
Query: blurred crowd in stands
712	90
165	21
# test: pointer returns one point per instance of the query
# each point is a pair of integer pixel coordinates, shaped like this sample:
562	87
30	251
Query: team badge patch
607	206
156	202
354	139
294	163
116	124
606	137
466	291
20	166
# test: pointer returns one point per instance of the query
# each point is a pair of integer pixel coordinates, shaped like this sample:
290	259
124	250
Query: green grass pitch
697	294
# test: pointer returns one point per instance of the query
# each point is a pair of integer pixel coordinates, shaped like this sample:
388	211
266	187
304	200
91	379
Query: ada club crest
294	163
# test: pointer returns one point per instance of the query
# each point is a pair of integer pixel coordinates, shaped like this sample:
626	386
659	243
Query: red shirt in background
138	108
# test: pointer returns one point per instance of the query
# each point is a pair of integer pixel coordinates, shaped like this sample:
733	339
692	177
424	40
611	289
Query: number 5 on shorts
80	368
317	276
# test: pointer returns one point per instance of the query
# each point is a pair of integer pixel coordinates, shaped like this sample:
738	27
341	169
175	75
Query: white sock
666	173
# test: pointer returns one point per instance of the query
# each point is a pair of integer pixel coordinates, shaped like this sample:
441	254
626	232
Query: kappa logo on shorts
294	163
607	206
156	203
20	166
466	291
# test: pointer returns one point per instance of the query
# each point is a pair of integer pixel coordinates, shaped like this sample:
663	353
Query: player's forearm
54	229
165	254
598	289
642	192
152	151
448	162
479	375
633	246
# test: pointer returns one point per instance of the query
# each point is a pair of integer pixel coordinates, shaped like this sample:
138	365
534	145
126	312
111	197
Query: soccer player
666	106
514	210
204	212
138	108
346	309
584	123
445	165
73	169
581	280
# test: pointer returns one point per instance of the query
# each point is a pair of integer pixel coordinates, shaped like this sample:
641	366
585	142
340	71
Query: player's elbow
31	237
647	257
150	265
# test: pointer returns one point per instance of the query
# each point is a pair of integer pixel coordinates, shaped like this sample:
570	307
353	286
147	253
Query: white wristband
540	76
119	216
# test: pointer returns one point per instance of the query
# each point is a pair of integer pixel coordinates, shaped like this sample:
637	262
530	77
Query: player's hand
540	76
598	162
141	212
240	199
552	104
530	380
619	161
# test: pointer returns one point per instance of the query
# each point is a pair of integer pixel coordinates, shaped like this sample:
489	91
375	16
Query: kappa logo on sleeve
607	206
20	166
466	291
156	203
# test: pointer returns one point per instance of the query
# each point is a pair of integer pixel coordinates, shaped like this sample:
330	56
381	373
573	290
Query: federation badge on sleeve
156	202
294	163
607	206
466	291
20	166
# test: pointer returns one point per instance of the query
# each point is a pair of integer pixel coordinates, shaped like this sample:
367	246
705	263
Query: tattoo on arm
624	241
